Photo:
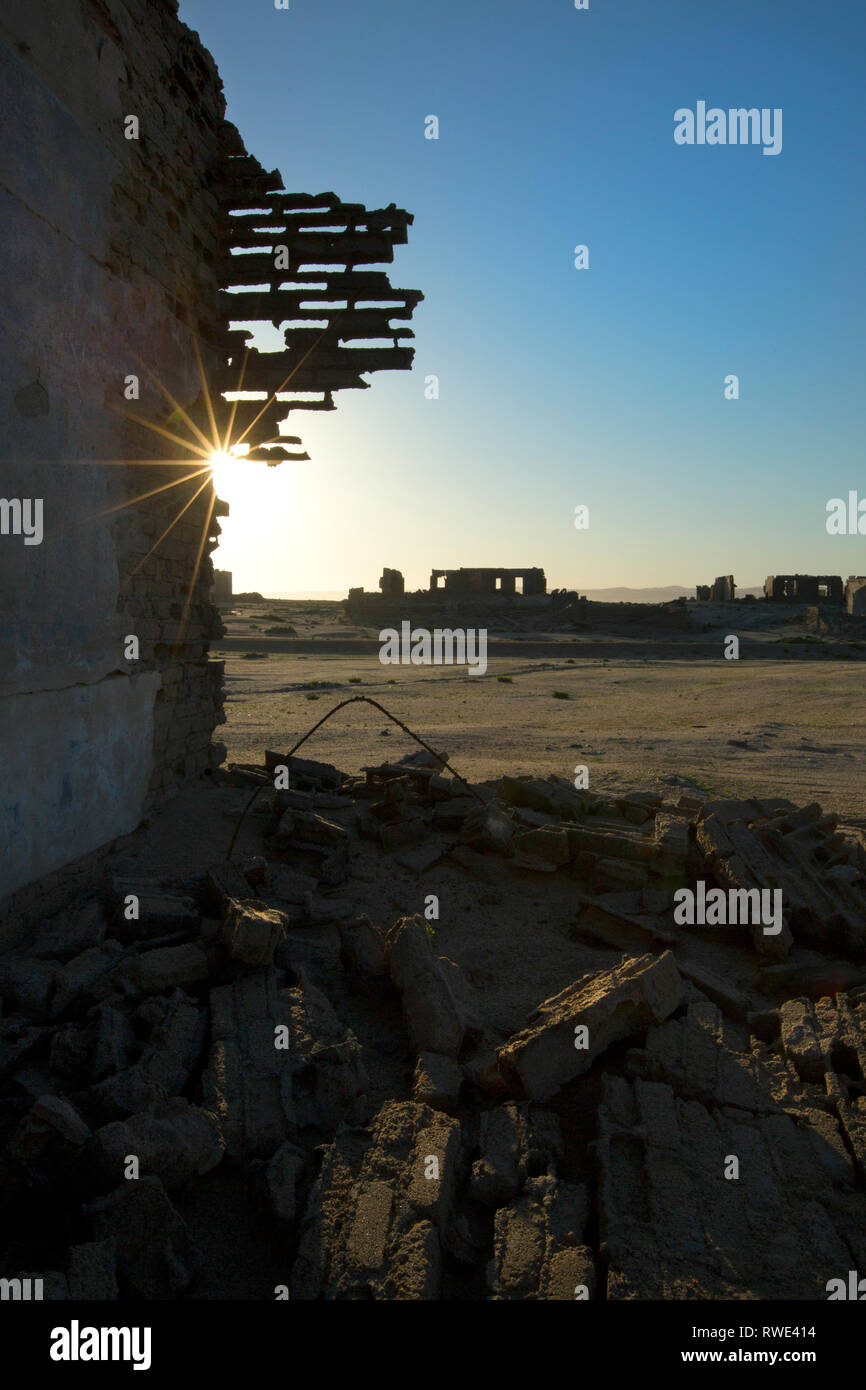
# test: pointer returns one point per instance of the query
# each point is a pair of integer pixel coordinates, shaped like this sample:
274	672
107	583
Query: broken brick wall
109	248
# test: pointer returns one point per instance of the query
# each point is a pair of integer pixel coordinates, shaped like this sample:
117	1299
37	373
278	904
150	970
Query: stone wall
109	248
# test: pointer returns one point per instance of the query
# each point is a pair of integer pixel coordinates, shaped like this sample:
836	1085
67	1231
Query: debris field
263	1080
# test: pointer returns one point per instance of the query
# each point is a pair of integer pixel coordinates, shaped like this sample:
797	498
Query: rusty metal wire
353	700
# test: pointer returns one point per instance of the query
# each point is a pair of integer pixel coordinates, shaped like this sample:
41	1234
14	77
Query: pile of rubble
684	1118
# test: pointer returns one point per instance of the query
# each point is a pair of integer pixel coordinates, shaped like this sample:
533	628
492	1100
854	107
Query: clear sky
559	386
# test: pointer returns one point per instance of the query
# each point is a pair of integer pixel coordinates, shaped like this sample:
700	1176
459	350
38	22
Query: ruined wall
855	594
804	588
108	247
491	582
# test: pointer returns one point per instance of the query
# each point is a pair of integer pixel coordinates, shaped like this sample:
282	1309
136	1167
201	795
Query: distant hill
664	595
661	595
313	595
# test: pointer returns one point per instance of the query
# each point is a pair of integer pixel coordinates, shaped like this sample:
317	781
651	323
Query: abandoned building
803	588
489	583
392	583
855	595
222	587
466	584
167	229
479	595
722	590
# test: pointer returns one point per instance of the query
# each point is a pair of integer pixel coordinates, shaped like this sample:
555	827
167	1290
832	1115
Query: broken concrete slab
378	1216
87	979
774	854
434	1016
305	774
166	968
678	1221
92	1271
173	1141
802	1040
223	882
488	829
539	1249
606	844
811	974
504	1140
262	1038
618	875
169	1057
282	1176
315	828
292	886
70	934
323	911
248	1084
363	950
140	908
437	1081
546	845
422	857
403	834
555	797
326	1059
671	834
48	1140
154	1251
114	1044
453	813
251	931
712	1059
567	1032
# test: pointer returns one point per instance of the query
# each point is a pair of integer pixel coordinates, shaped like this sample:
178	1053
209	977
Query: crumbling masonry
494	1103
125	199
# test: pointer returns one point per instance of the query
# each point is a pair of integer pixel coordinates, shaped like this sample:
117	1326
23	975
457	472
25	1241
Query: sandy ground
780	624
790	728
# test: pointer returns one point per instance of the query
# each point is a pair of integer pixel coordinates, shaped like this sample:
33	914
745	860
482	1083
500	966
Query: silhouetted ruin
804	588
489	582
855	595
722	590
222	587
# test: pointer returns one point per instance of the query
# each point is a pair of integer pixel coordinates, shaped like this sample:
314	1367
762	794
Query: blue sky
557	387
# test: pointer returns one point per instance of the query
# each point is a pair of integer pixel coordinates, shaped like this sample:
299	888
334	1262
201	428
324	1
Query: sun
222	464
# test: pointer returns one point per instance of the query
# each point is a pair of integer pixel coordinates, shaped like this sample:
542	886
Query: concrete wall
107	250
